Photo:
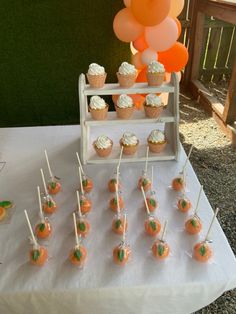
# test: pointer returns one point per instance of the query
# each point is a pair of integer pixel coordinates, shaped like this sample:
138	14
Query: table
180	285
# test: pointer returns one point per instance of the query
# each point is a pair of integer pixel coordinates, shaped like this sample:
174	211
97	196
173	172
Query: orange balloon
179	26
138	101
150	12
174	59
126	26
176	7
140	43
142	77
137	62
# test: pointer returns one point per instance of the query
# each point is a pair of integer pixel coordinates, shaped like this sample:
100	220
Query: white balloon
148	55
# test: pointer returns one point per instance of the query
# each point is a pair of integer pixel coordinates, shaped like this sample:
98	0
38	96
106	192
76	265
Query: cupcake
153	106
155	73
96	75
124	107
98	108
156	141
103	146
126	75
130	142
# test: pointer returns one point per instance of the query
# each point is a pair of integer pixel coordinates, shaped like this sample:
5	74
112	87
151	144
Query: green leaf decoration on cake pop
179	180
85	182
121	254
145	182
6	204
115	200
152	202
35	255
160	249
153	225
77	254
118	223
81	202
113	181
49	203
41	227
53	185
193	223
184	203
202	250
81	226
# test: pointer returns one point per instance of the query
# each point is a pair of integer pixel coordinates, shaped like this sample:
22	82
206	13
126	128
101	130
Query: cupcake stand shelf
169	119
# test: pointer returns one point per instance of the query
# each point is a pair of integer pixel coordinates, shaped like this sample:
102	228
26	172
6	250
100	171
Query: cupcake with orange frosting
124	107
156	141
127	74
130	143
103	146
155	73
98	108
96	75
153	106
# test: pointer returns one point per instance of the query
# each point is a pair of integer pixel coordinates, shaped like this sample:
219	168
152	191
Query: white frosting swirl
153	100
124	101
96	69
156	136
156	67
129	138
103	142
127	68
97	102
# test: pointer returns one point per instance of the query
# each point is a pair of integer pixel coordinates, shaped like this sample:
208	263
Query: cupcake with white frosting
155	73
96	75
156	141
98	108
130	143
124	107
153	106
103	146
127	74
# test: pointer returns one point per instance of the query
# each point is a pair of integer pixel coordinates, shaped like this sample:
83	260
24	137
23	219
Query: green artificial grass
45	45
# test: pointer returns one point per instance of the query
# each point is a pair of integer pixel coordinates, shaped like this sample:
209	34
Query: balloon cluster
152	29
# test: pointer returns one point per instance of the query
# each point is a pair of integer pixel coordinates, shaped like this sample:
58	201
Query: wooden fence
219	45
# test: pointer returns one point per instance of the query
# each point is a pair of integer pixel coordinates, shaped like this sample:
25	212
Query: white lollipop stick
124	231
121	152
146	162
81	183
49	168
44	183
76	232
40	206
30	228
79	161
189	154
210	227
152	179
198	200
164	231
117	197
78	201
145	200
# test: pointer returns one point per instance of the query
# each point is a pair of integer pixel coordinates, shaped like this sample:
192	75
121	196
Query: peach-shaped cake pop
54	187
43	230
202	252
113	182
160	250
119	224
78	255
38	255
144	182
193	225
87	184
49	205
114	203
121	254
112	185
85	205
178	183
152	226
184	204
83	227
152	201
2	213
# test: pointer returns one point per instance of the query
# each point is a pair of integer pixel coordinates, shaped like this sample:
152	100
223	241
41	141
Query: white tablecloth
179	285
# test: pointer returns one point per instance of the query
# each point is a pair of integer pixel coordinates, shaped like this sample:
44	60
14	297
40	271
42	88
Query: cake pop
2	213
144	181
113	181
119	223
194	225
83	226
54	186
151	197
160	249
49	205
85	202
86	181
43	229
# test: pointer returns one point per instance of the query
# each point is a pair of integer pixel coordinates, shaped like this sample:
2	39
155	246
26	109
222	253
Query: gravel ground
214	161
